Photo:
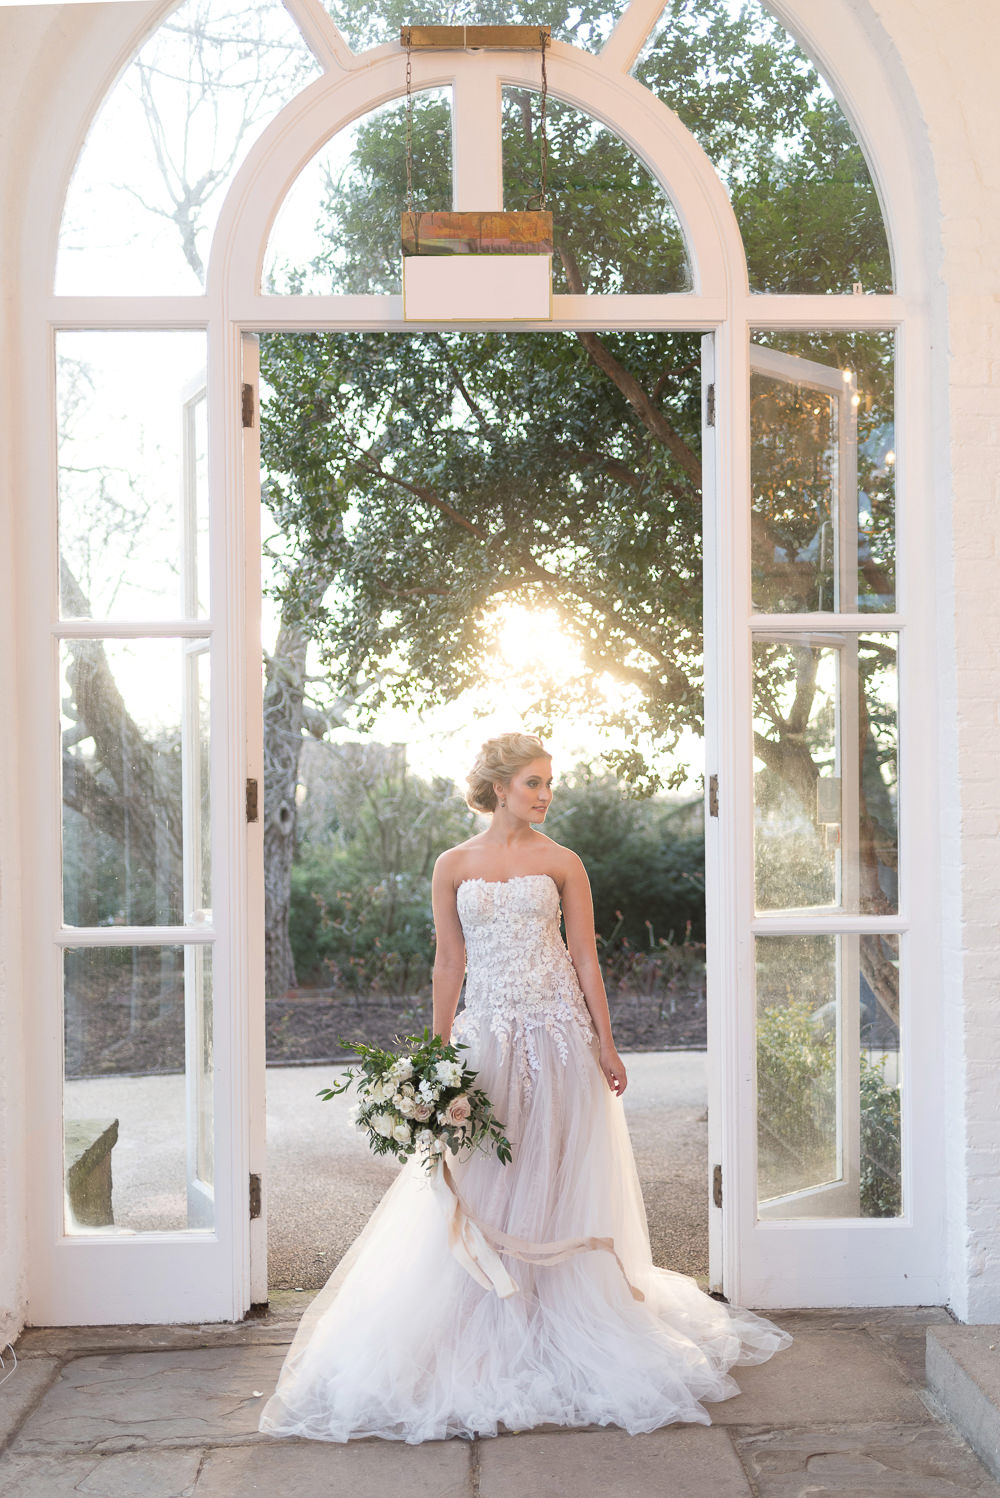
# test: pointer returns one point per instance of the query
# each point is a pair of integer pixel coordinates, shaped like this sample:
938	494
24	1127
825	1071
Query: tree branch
650	415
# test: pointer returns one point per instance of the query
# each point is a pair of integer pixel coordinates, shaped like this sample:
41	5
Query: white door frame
174	1277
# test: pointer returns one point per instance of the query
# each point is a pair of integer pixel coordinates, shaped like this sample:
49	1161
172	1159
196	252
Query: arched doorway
814	1246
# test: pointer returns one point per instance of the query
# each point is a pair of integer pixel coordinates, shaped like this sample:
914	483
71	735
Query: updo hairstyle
498	761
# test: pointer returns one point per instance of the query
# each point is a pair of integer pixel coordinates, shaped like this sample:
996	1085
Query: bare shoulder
570	868
450	865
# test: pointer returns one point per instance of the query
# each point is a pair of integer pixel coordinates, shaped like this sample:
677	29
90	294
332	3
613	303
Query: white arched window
188	229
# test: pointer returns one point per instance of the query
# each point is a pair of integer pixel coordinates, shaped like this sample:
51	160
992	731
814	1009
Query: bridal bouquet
422	1099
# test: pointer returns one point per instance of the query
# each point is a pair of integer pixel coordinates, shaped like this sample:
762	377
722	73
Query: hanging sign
477	266
472	267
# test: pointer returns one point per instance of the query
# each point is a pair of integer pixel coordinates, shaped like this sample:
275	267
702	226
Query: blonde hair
498	762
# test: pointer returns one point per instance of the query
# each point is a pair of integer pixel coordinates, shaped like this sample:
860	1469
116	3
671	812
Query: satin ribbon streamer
475	1245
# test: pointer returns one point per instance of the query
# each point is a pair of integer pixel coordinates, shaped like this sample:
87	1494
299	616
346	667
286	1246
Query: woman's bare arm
449	950
578	912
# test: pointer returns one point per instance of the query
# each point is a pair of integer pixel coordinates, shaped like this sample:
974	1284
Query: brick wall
948	53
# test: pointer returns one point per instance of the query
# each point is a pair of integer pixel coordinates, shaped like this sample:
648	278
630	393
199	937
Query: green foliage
370	831
798	180
796	1103
369	834
796	1111
591	175
881	1154
645	859
355	934
366	24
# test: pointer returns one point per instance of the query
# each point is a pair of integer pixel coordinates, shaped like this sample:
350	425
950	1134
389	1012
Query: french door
818	1020
143	891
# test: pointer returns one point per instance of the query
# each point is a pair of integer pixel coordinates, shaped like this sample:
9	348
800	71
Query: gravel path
323	1183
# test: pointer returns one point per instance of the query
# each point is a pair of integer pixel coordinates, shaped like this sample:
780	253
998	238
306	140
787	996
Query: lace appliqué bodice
519	974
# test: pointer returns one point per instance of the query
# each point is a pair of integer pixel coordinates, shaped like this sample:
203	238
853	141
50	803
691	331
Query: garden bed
309	1026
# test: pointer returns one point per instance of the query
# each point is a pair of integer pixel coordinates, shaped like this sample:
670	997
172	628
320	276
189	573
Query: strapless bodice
519	974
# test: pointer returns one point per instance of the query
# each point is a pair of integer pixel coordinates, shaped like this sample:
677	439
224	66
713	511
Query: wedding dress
411	1341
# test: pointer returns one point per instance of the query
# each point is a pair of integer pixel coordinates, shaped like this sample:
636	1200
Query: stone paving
171	1412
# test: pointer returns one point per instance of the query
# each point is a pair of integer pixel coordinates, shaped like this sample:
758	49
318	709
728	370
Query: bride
522	1294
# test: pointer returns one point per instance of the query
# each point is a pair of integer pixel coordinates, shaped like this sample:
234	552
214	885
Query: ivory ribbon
474	1244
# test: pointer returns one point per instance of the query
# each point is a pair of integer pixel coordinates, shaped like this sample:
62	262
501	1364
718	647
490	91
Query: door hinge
254	1197
710	406
717	1185
253	808
713	795
248	405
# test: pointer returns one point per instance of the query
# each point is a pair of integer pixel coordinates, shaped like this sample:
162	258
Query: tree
436	475
369	833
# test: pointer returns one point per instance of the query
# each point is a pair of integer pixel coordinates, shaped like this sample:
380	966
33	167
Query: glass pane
825	774
338	229
828	1077
151	179
137	1095
133	494
797	177
135	782
367	24
823	472
615	229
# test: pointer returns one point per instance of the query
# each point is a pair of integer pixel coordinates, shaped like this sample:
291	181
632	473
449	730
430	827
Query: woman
561	1317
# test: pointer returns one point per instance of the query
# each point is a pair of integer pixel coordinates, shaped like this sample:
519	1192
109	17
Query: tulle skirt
403	1343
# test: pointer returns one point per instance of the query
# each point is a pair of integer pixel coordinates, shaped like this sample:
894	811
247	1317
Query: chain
543	139
409	122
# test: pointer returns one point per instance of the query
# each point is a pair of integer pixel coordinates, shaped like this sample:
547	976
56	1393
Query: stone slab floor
171	1412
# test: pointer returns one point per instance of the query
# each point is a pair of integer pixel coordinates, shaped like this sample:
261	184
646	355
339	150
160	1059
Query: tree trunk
284	688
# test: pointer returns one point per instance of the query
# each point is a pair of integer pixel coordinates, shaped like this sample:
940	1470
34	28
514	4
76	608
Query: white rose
382	1124
401	1069
379	1092
401	1133
422	1112
406	1105
448	1072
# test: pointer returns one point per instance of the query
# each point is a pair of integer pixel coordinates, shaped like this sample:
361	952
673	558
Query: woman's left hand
613	1068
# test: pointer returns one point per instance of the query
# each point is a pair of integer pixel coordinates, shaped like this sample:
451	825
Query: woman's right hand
613	1068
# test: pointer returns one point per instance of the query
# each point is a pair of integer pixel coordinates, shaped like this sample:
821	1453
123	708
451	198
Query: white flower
379	1092
382	1124
401	1069
428	1140
429	1092
401	1133
406	1104
448	1072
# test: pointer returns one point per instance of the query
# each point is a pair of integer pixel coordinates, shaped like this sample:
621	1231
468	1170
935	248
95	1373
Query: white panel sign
477	288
